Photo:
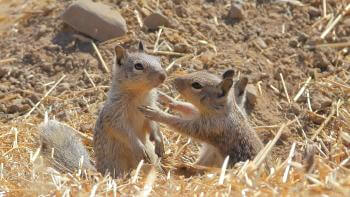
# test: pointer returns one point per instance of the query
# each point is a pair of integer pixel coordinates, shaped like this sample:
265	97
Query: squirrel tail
62	148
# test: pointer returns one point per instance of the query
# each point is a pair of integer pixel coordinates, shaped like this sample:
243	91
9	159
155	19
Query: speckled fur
122	133
220	123
61	138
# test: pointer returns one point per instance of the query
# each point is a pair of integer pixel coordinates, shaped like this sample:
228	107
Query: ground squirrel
122	135
213	117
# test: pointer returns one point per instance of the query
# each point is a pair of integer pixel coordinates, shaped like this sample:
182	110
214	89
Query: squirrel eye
138	66
196	85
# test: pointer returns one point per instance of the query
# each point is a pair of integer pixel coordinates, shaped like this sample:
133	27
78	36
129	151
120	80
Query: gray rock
236	11
95	19
155	20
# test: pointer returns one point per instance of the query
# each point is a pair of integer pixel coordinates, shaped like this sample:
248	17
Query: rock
182	48
34	98
63	87
181	11
293	43
153	21
3	108
236	11
320	102
3	72
320	61
262	44
252	94
95	19
295	109
314	12
16	106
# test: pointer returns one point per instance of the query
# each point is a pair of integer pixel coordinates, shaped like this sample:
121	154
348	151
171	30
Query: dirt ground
273	40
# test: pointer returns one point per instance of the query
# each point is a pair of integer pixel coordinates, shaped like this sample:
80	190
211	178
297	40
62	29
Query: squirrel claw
149	112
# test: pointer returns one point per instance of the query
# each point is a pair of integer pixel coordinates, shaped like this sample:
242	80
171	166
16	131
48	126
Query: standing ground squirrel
213	117
122	135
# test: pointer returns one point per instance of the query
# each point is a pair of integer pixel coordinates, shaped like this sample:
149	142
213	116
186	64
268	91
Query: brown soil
270	40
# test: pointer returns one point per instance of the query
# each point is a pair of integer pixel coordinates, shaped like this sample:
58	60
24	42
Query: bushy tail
62	148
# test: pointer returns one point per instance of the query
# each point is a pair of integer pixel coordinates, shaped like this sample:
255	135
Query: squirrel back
62	148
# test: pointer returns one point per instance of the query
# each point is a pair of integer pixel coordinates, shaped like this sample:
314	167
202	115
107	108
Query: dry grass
321	170
22	173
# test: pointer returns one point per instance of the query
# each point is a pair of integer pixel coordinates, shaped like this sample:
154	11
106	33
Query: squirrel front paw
150	113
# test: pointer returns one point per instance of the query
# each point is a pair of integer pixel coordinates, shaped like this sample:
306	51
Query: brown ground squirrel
122	135
213	116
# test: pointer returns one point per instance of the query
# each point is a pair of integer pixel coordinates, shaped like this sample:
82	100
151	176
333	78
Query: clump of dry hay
22	171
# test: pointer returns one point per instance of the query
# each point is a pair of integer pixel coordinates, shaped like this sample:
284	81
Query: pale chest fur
125	113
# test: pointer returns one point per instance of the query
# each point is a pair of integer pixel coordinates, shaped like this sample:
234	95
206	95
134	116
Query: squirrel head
136	71
208	92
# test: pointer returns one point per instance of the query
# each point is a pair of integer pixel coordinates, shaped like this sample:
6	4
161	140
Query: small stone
302	37
236	11
155	20
320	102
321	61
295	109
34	98
262	44
4	88
63	87
47	67
3	72
252	94
314	12
182	48
15	107
3	108
95	19
293	43
181	11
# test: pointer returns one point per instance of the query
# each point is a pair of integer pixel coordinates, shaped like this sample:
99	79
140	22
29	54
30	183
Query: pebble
63	87
314	12
155	20
3	72
320	102
262	44
95	19
17	106
4	88
236	11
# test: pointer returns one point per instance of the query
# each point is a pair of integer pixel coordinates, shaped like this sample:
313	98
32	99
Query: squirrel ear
120	54
240	86
228	74
225	86
141	48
